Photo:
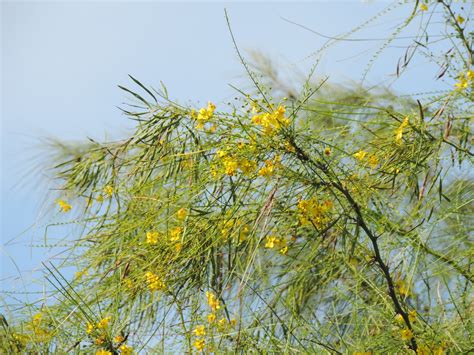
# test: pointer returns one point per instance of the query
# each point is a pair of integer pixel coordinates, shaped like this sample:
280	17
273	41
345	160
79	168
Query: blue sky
62	62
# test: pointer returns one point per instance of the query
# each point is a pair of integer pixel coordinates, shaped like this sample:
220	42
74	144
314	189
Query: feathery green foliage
336	220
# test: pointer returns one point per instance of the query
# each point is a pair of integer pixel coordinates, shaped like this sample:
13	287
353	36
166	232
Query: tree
334	220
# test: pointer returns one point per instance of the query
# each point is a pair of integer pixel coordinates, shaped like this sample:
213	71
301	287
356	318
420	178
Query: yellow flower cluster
212	301
423	7
199	344
372	159
270	166
80	274
425	349
152	237
41	333
311	212
411	316
406	334
103	323
200	330
108	190
289	147
64	206
175	234
402	287
399	130
231	164
211	318
125	349
223	325
181	214
272	122
273	242
227	226
204	115
465	80
100	325
154	282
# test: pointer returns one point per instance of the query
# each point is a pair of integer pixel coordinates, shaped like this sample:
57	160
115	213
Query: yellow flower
289	147
178	247
360	155
103	352
204	115
64	206
212	301
199	344
402	288
99	341
284	250
176	234
462	84
464	80
271	242
230	165
128	283
460	19
181	214
311	212
211	317
125	349
423	7
200	330
108	190
20	338
214	170
270	167
247	166
154	282
412	315
152	237
327	151
222	324
81	274
221	153
89	328
36	319
104	323
119	339
399	130
373	161
100	198
406	334
272	122
244	232
399	318
470	74
226	228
